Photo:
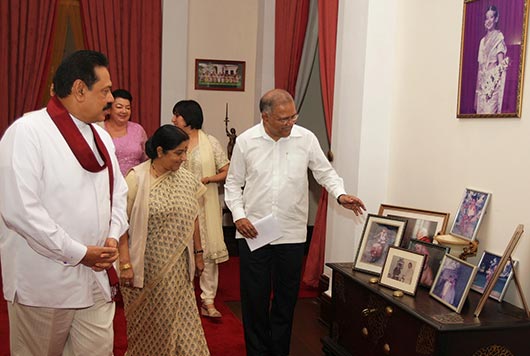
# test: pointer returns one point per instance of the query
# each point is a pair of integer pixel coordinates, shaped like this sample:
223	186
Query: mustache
108	106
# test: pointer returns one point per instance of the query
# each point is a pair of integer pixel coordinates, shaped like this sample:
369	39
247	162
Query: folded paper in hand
268	230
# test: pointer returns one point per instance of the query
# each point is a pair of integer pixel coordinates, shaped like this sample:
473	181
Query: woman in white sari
208	162
492	65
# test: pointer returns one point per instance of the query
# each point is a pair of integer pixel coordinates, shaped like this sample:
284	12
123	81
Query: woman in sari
492	65
158	253
208	162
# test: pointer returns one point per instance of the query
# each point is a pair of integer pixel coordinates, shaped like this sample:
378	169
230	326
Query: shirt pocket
296	166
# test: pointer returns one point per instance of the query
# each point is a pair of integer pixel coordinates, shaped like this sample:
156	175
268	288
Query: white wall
174	55
216	29
224	30
427	156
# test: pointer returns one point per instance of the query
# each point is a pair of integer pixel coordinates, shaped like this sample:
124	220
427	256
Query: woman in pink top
128	137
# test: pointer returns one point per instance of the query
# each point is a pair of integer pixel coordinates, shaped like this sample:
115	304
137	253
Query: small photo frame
486	268
379	233
402	270
453	282
215	74
433	259
470	213
421	224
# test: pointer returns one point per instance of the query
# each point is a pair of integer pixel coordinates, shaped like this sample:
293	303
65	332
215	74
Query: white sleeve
322	170
21	169
235	181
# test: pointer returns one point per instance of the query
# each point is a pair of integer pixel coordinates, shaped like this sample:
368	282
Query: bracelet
125	266
338	198
196	252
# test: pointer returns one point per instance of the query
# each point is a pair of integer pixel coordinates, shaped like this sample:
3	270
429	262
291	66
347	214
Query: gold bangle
125	266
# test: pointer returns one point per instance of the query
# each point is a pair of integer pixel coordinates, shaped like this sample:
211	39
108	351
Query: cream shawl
217	251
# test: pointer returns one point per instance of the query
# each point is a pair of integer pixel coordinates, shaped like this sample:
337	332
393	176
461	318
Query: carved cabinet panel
366	319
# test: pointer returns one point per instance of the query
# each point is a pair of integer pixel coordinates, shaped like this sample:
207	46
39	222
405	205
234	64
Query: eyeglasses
285	120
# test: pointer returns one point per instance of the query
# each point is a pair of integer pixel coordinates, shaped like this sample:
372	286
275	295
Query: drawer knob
389	310
386	349
367	311
364	332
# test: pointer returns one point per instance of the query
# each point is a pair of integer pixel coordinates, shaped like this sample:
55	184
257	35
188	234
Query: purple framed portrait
492	58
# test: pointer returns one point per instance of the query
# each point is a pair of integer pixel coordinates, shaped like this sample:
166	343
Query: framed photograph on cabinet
421	224
433	259
486	268
492	58
453	281
470	213
402	270
379	233
215	74
506	257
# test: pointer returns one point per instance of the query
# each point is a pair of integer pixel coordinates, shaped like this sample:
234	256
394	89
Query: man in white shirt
63	208
268	175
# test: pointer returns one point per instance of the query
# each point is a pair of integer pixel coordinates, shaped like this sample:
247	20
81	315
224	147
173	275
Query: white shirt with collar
267	176
51	210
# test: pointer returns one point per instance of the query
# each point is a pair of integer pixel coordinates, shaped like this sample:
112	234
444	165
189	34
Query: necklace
156	173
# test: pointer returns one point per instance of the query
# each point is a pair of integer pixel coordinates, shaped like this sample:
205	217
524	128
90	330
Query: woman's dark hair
122	93
494	9
191	111
168	137
78	65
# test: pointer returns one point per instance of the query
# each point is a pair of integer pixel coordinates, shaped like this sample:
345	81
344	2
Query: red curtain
26	31
129	32
290	28
327	38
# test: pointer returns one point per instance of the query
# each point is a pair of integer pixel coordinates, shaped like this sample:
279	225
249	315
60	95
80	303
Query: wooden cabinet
366	319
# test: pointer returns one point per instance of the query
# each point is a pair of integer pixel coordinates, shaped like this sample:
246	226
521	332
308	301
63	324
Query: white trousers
209	281
38	331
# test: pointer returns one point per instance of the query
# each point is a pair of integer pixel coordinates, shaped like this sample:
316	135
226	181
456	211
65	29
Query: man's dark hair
191	111
78	65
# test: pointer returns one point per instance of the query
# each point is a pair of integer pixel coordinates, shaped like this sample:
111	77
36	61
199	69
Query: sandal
210	312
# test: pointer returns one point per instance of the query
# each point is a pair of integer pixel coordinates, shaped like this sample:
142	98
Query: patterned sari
162	315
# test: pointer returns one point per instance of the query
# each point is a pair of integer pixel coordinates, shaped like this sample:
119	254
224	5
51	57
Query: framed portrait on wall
215	74
492	57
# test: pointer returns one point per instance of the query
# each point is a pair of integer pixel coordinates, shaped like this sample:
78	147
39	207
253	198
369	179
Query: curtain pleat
327	38
129	32
26	31
290	29
308	55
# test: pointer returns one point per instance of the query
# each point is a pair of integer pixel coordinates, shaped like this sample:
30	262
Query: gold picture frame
492	59
434	222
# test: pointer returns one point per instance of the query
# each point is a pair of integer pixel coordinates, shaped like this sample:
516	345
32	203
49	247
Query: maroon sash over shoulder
84	155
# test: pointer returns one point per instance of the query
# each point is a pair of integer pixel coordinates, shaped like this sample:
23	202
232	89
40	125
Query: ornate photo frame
379	233
492	58
426	223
